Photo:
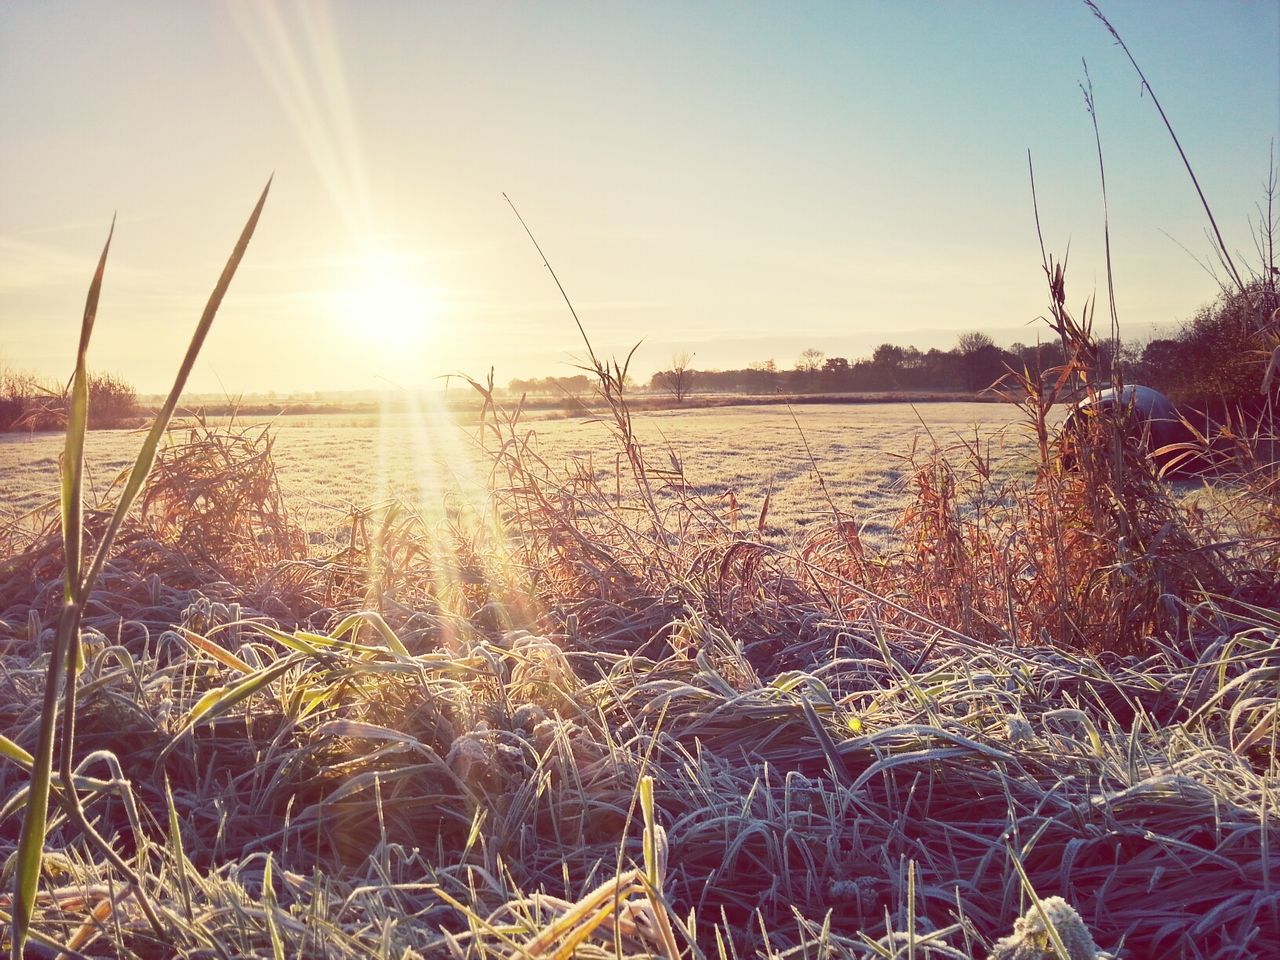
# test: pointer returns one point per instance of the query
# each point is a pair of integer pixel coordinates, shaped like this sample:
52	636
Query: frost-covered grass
326	462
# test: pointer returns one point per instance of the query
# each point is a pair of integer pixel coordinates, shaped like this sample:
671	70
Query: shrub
27	404
23	401
112	401
12	406
1219	356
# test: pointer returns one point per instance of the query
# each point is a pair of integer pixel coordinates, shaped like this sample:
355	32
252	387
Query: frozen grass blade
374	619
179	855
65	645
221	699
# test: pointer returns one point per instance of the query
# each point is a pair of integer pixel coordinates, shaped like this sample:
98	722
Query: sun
386	305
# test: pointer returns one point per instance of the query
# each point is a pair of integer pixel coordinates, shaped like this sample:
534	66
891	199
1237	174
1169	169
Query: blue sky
738	180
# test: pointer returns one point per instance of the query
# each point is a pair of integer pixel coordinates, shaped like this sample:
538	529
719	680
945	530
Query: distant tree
679	379
808	368
836	373
1159	364
984	363
888	355
1038	357
810	361
973	342
762	375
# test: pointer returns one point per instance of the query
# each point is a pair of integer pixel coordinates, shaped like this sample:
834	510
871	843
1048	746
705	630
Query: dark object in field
1149	419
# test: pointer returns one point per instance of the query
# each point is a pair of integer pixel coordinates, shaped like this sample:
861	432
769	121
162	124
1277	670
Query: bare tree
678	381
808	369
810	361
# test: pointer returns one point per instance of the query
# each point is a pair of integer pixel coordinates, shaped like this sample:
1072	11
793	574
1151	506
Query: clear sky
736	179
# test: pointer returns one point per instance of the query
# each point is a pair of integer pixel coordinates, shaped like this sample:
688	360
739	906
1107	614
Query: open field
326	463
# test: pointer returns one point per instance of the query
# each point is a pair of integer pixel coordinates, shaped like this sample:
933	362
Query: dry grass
854	751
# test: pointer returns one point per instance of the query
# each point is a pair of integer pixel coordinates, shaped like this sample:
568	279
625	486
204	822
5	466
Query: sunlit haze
739	181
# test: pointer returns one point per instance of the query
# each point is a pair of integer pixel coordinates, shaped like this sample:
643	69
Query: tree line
974	363
1218	358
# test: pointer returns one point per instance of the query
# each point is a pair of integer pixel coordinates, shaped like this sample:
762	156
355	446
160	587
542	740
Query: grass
323	462
607	716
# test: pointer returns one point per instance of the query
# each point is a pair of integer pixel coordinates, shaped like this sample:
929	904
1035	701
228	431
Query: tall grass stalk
1222	250
78	584
65	646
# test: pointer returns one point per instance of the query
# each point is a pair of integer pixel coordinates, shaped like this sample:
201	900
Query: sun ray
309	81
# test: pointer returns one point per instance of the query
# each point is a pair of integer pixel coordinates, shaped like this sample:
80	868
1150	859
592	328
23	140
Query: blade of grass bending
224	657
547	263
374	619
221	699
1195	182
31	841
15	753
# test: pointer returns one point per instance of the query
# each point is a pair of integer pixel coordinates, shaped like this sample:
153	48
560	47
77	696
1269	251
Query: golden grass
854	750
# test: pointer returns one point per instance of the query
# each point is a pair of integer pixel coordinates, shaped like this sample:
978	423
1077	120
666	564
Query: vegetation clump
27	404
607	719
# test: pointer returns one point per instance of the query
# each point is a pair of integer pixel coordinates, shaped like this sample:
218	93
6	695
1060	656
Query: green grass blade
78	582
221	699
269	908
66	640
296	644
178	854
374	619
147	455
15	753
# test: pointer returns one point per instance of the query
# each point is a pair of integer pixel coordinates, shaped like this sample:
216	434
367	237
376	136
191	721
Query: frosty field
328	463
